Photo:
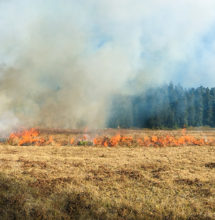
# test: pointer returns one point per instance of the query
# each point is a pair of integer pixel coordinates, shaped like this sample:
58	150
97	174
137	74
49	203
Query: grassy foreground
55	182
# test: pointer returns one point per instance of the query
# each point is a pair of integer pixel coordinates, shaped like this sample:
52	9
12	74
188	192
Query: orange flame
32	137
26	137
50	141
72	141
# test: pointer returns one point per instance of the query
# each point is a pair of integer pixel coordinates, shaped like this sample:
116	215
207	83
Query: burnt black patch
210	165
189	182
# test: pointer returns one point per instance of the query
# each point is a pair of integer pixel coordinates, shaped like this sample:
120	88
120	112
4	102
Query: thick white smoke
61	60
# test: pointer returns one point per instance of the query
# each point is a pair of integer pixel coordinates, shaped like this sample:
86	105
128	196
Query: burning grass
33	137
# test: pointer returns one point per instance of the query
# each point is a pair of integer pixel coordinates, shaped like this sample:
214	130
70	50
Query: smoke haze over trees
62	61
167	106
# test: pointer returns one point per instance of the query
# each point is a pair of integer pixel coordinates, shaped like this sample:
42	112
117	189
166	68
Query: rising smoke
62	60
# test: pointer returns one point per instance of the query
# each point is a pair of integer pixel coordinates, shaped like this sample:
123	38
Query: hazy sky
59	56
163	40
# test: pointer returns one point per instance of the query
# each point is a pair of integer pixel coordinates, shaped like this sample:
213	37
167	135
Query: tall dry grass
53	182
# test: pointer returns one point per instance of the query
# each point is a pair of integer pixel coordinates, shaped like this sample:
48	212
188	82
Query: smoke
62	60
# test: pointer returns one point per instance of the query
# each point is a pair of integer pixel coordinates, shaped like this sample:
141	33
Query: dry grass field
77	182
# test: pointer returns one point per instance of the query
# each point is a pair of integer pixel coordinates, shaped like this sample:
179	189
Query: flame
32	137
115	140
72	141
50	141
28	137
105	144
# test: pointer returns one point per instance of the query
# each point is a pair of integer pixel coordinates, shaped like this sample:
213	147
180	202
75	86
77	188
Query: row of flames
32	137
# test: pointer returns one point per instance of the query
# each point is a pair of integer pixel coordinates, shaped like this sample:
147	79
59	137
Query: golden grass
53	182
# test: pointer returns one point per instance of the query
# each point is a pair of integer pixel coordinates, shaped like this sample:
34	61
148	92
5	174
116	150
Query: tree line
168	106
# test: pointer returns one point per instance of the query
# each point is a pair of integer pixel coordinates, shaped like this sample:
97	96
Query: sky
59	56
163	40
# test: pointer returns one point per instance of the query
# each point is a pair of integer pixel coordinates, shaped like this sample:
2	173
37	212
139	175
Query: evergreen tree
172	96
191	107
121	113
168	106
212	93
199	106
208	107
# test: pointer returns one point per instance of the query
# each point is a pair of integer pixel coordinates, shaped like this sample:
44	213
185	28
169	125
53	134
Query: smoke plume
62	60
